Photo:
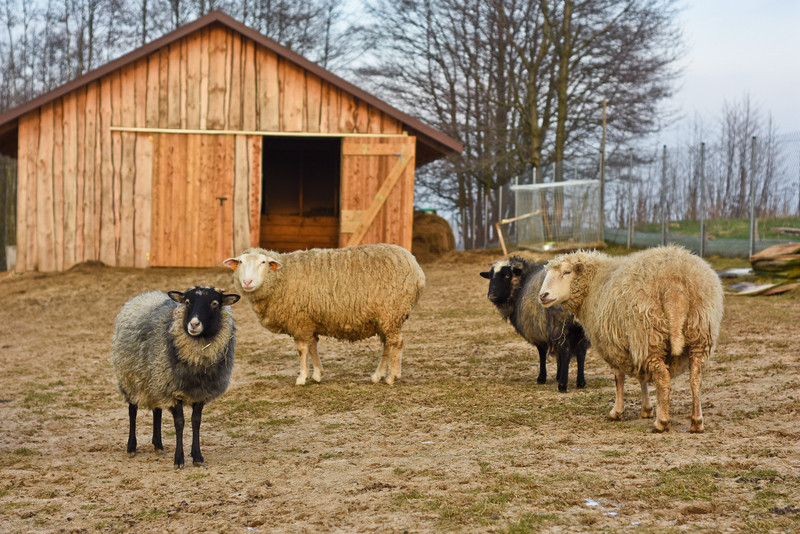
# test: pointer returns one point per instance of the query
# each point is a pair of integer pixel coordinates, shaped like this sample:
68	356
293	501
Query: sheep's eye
214	303
566	273
186	301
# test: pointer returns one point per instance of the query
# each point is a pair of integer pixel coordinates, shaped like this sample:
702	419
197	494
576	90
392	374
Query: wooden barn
207	141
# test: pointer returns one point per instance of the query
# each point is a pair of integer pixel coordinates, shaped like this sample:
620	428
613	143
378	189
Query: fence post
702	200
664	197
753	228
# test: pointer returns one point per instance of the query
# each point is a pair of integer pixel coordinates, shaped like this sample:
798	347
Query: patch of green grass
196	476
151	515
529	523
688	483
24	451
277	422
39	398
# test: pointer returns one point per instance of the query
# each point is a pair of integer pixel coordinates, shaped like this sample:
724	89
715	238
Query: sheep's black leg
177	417
132	409
562	369
159	447
197	415
542	378
581	357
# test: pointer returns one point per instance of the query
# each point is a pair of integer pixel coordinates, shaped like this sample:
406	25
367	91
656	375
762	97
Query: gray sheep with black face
170	349
514	285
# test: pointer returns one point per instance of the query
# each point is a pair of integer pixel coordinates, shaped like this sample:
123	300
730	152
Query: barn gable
158	158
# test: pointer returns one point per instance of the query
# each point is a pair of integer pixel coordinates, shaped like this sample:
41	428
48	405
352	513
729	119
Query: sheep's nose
543	296
247	284
195	326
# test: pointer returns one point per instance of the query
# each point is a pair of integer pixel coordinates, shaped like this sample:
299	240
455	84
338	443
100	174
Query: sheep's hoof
198	464
390	379
581	384
614	415
131	454
301	380
316	377
375	378
562	389
178	466
541	379
697	426
647	413
661	426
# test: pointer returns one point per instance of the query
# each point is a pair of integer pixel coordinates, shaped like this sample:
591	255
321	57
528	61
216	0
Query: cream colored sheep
349	293
649	315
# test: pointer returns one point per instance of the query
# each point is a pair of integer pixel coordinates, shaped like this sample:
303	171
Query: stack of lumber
778	260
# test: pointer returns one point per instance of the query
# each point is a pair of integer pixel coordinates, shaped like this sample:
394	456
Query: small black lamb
171	348
514	290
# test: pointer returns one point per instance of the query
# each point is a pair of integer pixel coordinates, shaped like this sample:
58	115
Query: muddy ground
466	441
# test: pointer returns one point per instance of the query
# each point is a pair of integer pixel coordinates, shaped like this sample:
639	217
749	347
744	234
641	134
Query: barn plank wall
87	194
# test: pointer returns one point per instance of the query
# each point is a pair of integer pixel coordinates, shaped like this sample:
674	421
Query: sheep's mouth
547	301
195	331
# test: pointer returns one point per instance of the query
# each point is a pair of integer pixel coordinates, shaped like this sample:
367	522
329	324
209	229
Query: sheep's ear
177	296
578	267
230	299
274	265
231	263
487	274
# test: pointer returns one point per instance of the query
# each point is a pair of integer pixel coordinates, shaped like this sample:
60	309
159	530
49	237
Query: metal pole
630	201
753	228
486	217
603	178
664	197
702	200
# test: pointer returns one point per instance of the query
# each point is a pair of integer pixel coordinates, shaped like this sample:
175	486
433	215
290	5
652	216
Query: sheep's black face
203	316
500	282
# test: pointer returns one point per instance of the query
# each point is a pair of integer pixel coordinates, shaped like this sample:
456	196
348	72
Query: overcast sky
738	47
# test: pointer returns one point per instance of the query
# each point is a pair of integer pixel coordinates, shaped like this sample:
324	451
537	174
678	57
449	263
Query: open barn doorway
300	201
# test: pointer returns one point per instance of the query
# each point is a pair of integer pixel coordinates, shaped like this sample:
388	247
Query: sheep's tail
676	307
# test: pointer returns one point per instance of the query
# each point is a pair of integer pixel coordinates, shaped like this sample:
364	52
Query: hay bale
432	236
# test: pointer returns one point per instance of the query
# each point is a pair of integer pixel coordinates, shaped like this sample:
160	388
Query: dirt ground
466	441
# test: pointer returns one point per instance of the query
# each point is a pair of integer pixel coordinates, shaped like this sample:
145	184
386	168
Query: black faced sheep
514	290
349	293
649	315
170	349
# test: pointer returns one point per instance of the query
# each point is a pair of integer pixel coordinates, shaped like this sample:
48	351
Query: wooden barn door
193	198
377	192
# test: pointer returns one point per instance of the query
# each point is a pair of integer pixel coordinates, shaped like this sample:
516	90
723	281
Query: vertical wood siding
87	194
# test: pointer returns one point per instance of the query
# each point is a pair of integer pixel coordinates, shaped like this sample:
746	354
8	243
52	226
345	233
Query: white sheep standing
347	293
171	348
649	315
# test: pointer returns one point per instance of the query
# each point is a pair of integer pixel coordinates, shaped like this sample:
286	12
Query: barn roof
432	144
